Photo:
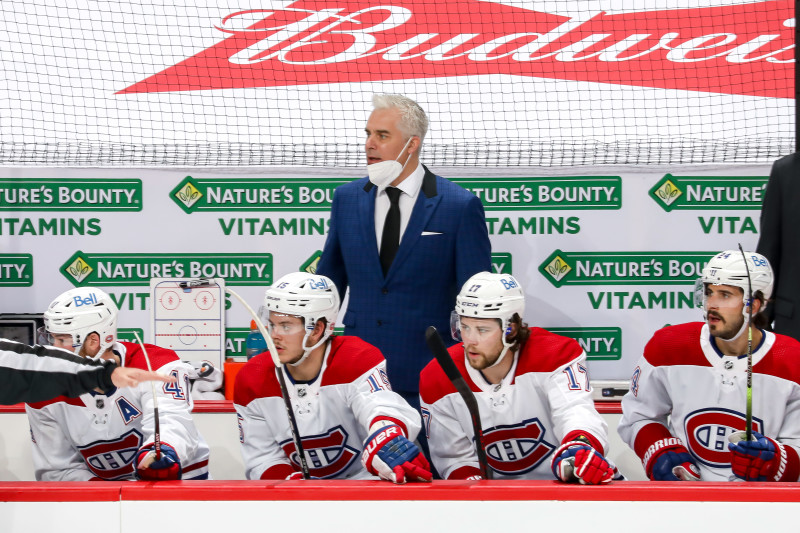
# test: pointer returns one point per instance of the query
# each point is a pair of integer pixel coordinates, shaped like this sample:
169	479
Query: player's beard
482	361
725	330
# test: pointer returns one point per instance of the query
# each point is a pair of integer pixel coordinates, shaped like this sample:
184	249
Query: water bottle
255	343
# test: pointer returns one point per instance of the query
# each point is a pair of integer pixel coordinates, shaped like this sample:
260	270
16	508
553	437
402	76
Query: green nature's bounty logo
573	193
137	269
79	269
598	343
188	195
623	268
70	194
310	264
255	194
16	270
709	192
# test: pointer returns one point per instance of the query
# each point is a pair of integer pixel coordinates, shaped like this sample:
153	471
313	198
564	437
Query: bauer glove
389	455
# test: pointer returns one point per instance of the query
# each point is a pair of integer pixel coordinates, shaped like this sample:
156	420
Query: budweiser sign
742	49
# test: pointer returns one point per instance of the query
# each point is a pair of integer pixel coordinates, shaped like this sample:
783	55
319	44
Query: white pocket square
431	233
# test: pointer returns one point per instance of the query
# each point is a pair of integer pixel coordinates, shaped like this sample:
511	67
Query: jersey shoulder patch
434	383
676	346
546	352
256	379
134	356
350	358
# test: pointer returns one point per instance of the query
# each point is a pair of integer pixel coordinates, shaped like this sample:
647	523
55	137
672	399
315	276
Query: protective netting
512	83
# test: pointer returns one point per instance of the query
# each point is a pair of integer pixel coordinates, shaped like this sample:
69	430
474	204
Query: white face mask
385	172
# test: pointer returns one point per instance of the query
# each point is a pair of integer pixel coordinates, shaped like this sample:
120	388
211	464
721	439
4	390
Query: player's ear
319	330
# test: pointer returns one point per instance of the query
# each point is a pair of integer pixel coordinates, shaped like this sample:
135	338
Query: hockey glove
669	460
760	459
389	455
576	461
148	468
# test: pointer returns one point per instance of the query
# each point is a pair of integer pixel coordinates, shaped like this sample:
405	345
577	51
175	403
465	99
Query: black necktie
390	240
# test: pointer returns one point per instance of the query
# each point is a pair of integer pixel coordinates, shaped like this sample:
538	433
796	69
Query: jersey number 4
176	389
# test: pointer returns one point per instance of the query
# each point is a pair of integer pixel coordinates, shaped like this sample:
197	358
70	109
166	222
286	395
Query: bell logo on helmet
89	300
509	283
318	283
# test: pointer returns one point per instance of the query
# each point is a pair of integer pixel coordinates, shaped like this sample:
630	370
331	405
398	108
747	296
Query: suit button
385	290
380	322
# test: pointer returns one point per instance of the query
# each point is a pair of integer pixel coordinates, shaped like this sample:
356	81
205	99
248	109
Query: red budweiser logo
739	49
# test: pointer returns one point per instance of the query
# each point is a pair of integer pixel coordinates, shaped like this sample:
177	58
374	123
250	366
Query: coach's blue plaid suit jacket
445	242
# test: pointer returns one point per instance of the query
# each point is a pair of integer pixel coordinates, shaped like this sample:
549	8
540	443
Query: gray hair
413	120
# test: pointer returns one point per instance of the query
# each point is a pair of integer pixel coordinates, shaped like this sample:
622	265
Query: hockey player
532	389
110	435
36	373
340	394
688	390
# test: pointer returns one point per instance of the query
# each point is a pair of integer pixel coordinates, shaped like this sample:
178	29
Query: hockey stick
748	414
441	354
157	425
298	444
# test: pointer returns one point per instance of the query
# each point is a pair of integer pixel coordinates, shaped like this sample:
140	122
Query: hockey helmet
732	267
308	296
489	295
80	312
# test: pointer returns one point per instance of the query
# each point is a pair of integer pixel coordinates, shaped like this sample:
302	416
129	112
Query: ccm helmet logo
89	300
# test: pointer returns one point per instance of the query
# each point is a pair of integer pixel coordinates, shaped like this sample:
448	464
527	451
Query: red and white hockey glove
760	459
577	461
669	460
389	455
167	467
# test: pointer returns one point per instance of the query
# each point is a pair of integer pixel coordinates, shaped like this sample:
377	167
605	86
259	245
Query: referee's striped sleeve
39	373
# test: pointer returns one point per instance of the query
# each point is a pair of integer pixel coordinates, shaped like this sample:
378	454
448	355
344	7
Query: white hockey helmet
489	295
80	312
308	296
729	268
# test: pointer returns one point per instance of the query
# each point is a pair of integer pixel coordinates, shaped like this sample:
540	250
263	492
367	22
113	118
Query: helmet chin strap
306	350
506	346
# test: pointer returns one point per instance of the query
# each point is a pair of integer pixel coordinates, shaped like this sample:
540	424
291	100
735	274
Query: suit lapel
427	200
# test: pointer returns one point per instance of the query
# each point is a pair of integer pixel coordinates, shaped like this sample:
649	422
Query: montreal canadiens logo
112	459
707	433
327	454
516	449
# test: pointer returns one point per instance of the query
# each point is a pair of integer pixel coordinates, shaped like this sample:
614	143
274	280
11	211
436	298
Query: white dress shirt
409	188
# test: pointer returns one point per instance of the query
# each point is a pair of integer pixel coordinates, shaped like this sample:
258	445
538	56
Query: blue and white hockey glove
576	461
669	460
760	459
148	468
389	455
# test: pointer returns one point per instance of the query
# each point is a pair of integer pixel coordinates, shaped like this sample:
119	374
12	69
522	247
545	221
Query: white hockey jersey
684	387
96	436
334	413
544	400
